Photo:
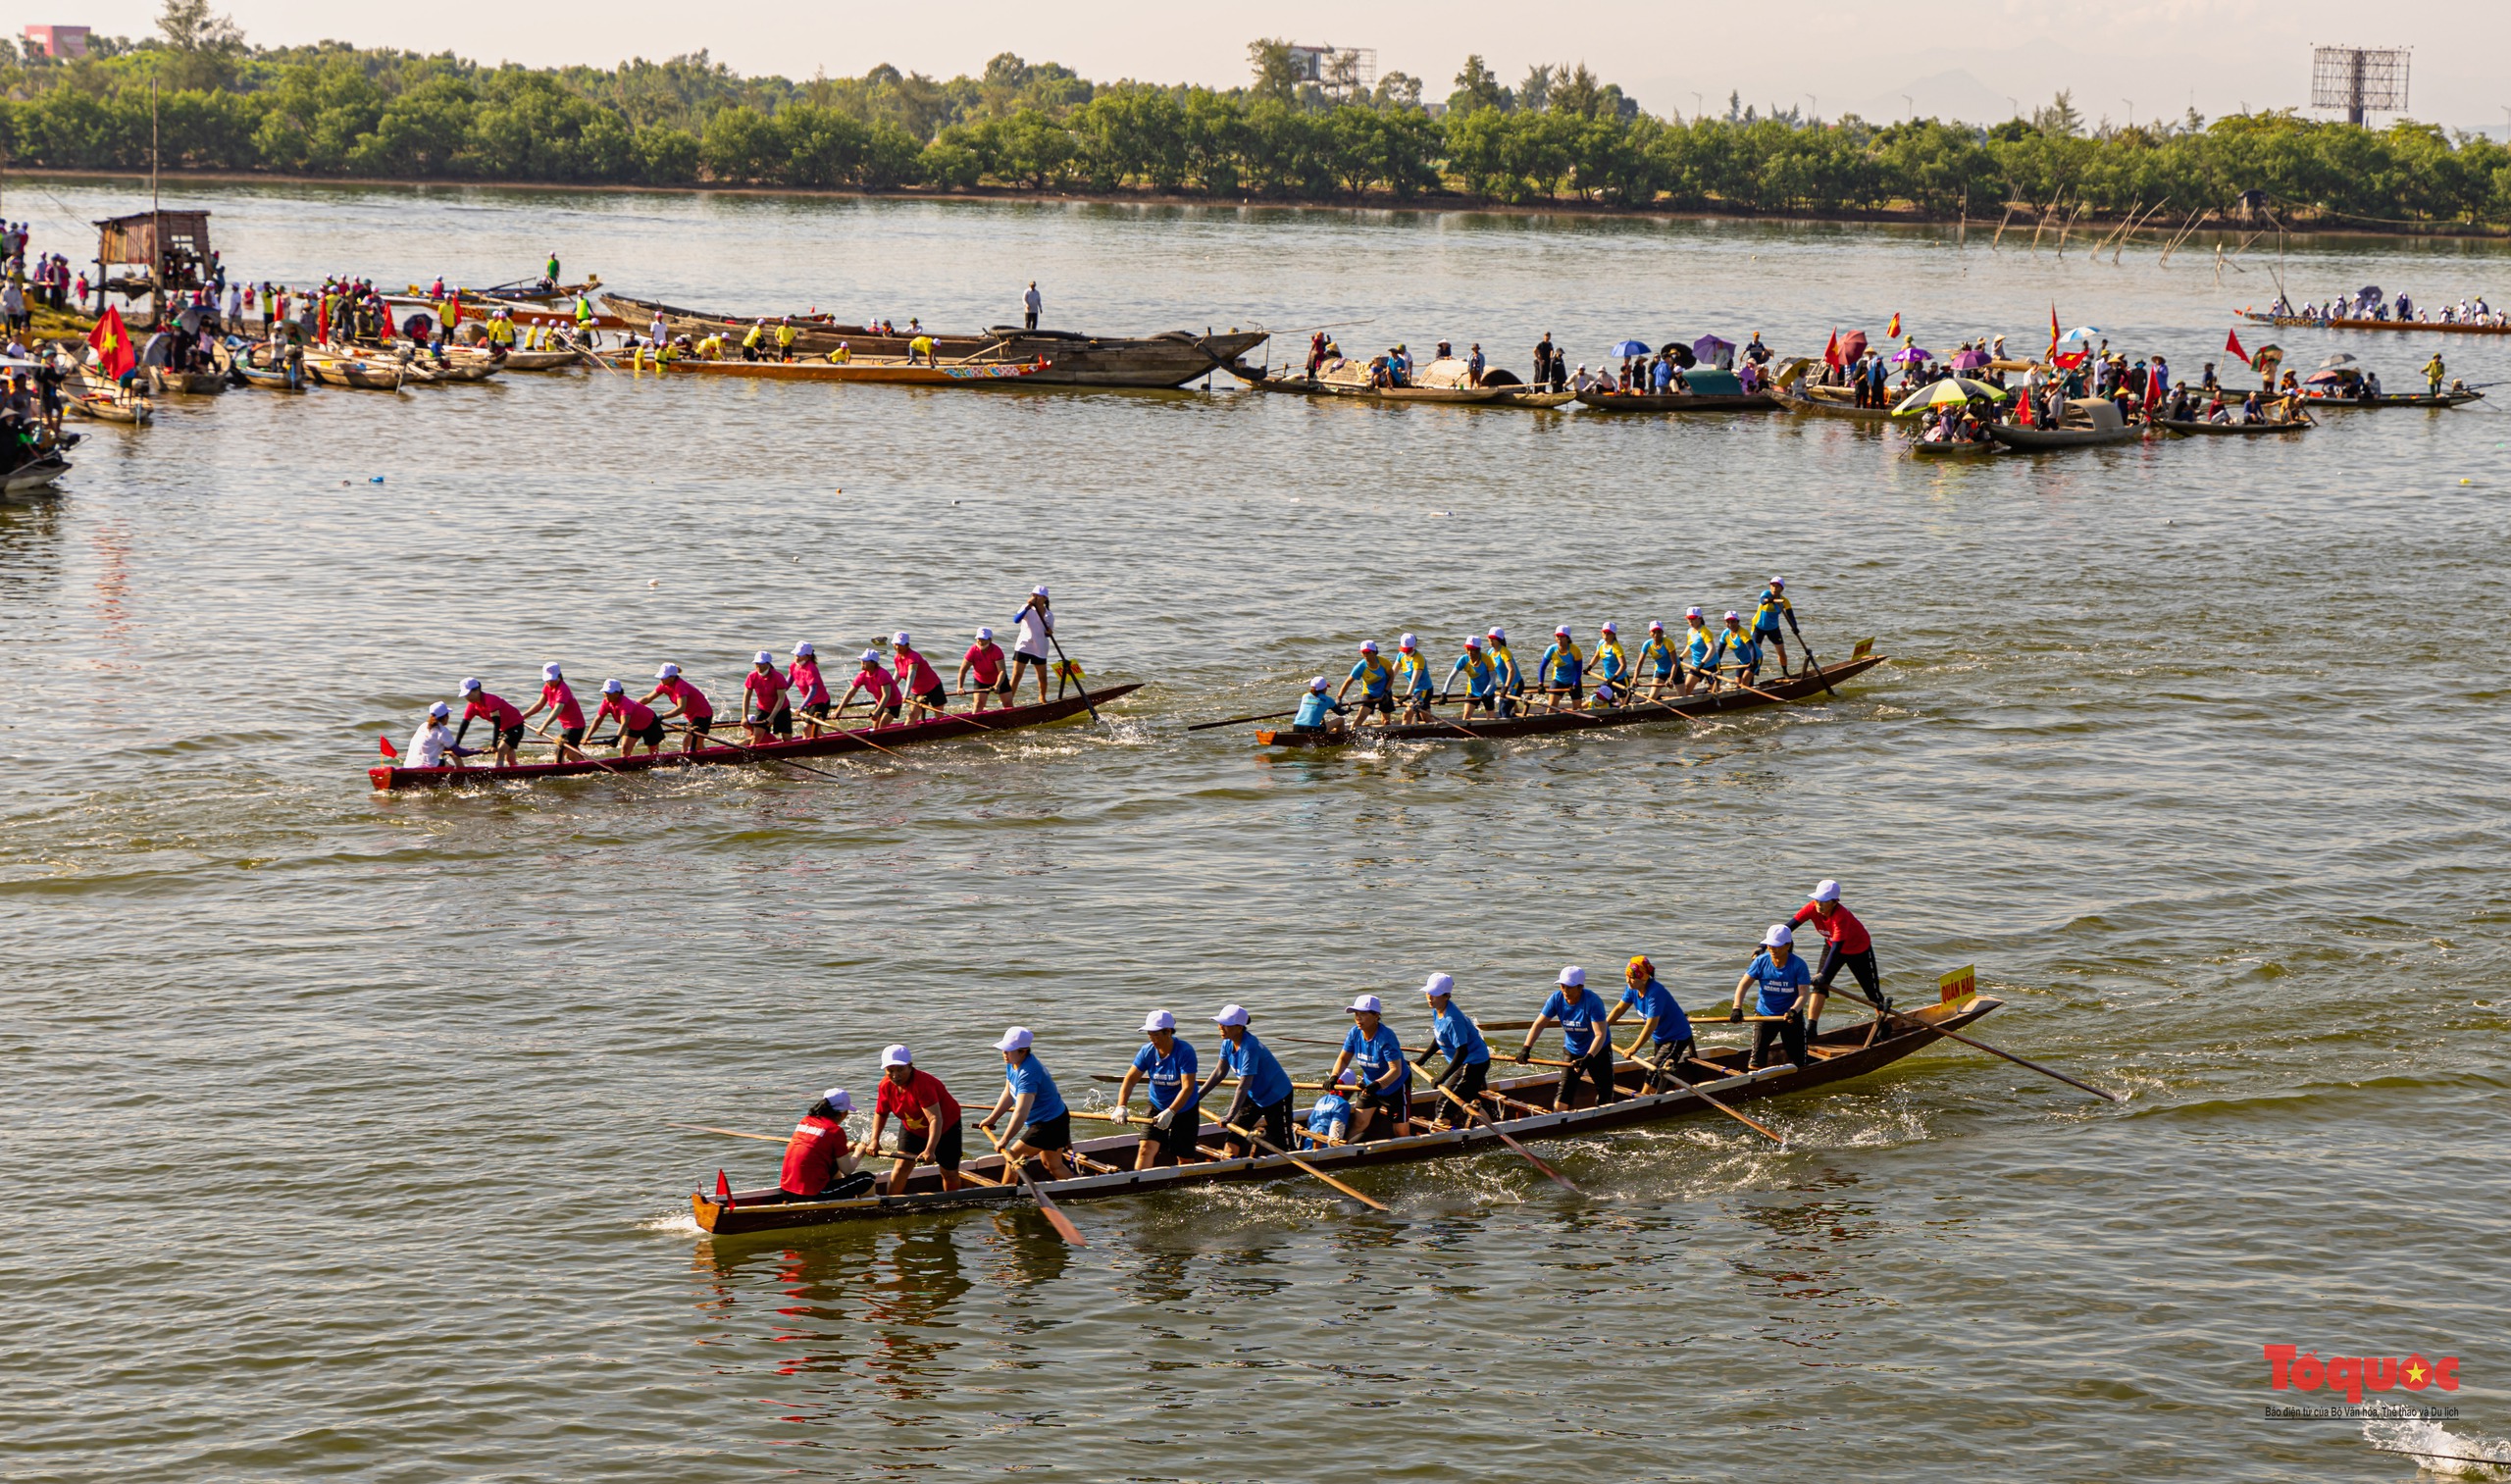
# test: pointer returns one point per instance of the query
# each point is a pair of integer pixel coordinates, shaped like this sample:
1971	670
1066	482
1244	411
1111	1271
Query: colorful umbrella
1910	356
1952	391
1708	346
1969	360
1630	347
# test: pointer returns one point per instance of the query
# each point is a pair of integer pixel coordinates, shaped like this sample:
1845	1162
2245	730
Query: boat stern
704	1209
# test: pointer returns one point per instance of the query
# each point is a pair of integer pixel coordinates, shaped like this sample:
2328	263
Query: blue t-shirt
1313	710
1582	1021
1778	985
1260	1071
1169	1074
1654	998
1376	677
1375	1056
1030	1077
1329	1111
1459	1038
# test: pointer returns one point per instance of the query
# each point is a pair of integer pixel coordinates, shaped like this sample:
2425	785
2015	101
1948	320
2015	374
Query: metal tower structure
2359	79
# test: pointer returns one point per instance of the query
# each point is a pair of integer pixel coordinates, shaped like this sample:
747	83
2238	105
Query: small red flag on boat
1832	352
112	342
2231	347
1892	331
386	743
723	1191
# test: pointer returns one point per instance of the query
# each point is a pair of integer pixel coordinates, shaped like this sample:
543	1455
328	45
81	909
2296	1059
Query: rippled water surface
340	1123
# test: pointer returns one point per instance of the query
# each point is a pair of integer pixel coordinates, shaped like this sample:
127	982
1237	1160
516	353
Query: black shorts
937	699
1179	1142
1019	658
571	734
1002	684
779	722
818	708
1384	704
650	734
945	1153
1372	1097
510	737
698	726
1053	1134
1271	1122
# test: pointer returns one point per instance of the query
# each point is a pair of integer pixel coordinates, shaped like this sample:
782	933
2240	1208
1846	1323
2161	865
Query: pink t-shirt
914	674
808	689
985	661
885	691
765	689
692	702
556	694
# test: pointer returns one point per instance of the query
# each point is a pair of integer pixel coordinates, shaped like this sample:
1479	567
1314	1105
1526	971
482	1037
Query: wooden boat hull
2392	399
1825	407
1798	687
104	409
524	360
188	384
1529	396
42	474
897	372
356	376
2190	428
2048	439
1954	449
2298	322
1675	401
1438	394
1836	1055
957	723
271	379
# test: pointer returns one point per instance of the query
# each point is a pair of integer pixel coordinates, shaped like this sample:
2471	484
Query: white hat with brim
1231	1014
896	1056
838	1098
1016	1039
1438	985
1159	1020
1825	890
1367	1004
1574	977
1779	936
439	710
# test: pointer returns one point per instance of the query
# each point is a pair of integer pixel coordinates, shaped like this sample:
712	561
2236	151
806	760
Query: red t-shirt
907	1104
1841	928
499	711
811	1155
985	661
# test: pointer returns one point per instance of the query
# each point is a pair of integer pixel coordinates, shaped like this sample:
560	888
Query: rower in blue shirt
1480	679
1782	979
1769	610
1412	678
1562	670
1700	646
1506	678
1263	1104
1584	1041
1455	1035
1329	1123
1314	710
1371	1048
1377	680
1611	666
1739	656
1655	660
1176	1103
1664	1038
1040	1124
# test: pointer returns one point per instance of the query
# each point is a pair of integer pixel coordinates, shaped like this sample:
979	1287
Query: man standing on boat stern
1783	978
1386	1076
1040	1124
819	1164
1030	304
1584	1041
1455	1035
1769	611
1176	1103
1037	623
1665	1031
928	1121
1845	944
1263	1102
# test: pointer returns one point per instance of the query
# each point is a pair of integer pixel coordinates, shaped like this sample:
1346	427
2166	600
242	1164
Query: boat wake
677	1225
2437	1449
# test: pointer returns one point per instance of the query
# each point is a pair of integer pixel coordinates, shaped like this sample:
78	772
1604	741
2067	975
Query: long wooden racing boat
955	724
1798	687
1843	405
2302	322
1834	1056
1679	401
2450	398
2199	427
946	373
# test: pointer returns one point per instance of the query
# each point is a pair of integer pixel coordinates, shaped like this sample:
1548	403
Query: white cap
1606	627
899	640
1472	641
1826	891
1574	977
984	634
1498	633
1016	1039
613	688
668	672
1734	616
838	1098
871	656
764	658
803	650
1778	581
1439	983
1368	647
1408	642
1778	935
1366	1003
1231	1014
896	1056
1318	684
1691	613
439	710
1560	631
1655	624
1159	1020
470	684
1038	591
549	671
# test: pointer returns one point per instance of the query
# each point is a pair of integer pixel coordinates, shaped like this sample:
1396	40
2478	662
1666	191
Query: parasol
1969	360
1910	356
1629	349
1952	391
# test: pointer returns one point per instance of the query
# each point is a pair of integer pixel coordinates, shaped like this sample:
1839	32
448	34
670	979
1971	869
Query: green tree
202	49
1277	72
1479	87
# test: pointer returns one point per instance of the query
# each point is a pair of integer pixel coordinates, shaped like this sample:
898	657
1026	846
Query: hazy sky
1965	60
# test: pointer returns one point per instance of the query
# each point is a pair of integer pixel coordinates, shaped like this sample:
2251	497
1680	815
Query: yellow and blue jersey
1561	664
1766	611
1476	671
1413	674
1656	652
1374	676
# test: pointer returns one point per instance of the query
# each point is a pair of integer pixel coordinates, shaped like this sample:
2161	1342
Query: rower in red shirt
809	691
915	676
928	1121
875	683
819	1164
984	660
503	719
763	707
1844	942
559	700
637	723
688	702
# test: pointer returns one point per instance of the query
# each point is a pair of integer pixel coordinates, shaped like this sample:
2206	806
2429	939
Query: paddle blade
389	750
1057	1219
723	1191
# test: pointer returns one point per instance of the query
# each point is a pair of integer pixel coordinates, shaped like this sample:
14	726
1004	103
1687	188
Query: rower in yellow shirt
785	338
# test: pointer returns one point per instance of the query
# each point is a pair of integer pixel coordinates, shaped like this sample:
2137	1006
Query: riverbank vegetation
1560	135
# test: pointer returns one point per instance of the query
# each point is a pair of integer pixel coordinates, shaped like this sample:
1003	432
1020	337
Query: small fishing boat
898	372
1954	449
105	407
2088	422
831	743
1712	390
1530	1112
36	474
1831	402
189	384
2342	400
286	375
520	360
2189	428
1798	687
2300	321
353	372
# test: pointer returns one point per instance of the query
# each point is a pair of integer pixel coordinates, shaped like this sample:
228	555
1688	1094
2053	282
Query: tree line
1560	135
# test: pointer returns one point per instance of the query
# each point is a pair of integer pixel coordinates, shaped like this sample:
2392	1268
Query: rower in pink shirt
878	684
763	707
915	676
984	660
810	693
559	700
503	719
688	702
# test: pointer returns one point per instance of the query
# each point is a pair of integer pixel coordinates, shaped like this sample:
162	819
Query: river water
342	1123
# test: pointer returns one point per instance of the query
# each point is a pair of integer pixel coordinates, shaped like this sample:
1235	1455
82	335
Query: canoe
1834	408
2191	427
2298	322
2394	399
352	372
1799	687
272	377
2093	423
1532	396
1953	448
104	407
522	360
37	474
1677	401
828	744
948	374
194	384
1836	1055
441	373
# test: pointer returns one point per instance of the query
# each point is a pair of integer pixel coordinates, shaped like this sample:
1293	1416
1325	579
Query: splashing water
2437	1449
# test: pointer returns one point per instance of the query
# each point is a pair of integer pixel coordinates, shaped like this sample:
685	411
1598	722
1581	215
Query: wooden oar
1304	1165
729	1133
1756	690
1694	1089
753	755
2017	1061
1083	683
1055	1213
1809	654
544	734
1471	1111
1235	721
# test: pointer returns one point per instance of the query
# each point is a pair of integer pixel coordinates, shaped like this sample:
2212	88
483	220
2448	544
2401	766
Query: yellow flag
1961	984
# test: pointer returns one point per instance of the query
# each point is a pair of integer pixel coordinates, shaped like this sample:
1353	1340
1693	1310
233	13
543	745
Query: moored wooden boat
36	474
2451	398
2198	428
2301	321
1953	448
832	744
105	407
946	373
1834	1056
1844	405
2089	421
520	360
1799	687
353	372
189	384
1679	401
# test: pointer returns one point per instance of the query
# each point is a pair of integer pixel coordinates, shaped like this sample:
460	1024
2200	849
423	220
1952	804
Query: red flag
1892	331
2052	356
2231	347
389	751
112	342
1832	352
323	320
723	1191
389	331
